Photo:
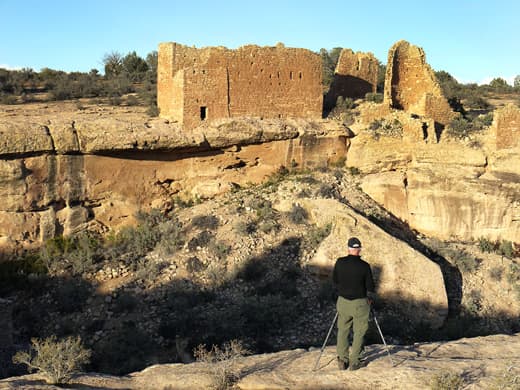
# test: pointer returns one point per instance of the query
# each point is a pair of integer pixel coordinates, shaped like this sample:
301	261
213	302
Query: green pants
351	313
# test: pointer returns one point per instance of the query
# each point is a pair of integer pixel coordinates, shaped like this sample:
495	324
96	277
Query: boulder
405	279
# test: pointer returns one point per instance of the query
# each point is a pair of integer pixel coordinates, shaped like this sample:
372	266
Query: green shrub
328	191
485	245
201	240
446	380
56	360
315	235
383	127
194	265
460	128
354	171
220	249
374	97
464	261
506	249
298	214
245	228
205	222
483	121
268	226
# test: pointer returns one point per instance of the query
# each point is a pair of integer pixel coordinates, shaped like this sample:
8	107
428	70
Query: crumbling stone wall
195	85
411	85
506	127
354	77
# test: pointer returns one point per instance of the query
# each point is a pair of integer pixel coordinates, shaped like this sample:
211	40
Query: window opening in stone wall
203	113
291	75
300	75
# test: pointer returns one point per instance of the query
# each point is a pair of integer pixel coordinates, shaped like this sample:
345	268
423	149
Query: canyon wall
451	189
56	179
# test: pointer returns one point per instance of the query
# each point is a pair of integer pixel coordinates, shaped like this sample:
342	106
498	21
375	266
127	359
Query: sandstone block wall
354	77
506	127
411	85
196	85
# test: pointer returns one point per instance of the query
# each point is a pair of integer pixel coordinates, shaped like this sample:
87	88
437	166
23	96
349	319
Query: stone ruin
355	76
197	85
411	85
506	127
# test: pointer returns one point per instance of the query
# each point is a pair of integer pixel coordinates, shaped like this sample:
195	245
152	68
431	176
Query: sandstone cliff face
401	273
449	190
59	175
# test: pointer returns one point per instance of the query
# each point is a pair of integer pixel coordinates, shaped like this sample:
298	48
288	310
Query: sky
473	40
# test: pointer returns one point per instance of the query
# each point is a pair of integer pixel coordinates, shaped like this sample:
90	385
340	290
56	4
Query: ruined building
506	127
411	85
354	77
196	85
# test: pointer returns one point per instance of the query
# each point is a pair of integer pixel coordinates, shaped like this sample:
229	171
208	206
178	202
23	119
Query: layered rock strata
58	177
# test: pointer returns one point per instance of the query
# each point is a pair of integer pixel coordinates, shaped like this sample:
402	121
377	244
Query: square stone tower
198	85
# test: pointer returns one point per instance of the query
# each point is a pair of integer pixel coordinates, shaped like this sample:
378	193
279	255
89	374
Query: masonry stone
199	85
506	127
355	76
411	85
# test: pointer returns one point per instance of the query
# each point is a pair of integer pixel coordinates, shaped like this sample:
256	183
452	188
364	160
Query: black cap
354	243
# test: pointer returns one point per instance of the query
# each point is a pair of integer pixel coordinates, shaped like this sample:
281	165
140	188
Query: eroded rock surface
481	363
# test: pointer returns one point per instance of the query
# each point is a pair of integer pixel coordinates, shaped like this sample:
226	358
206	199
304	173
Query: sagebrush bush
485	245
446	380
374	97
209	222
298	214
57	360
506	249
460	128
224	370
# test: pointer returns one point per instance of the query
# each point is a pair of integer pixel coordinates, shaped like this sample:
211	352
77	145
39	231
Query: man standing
353	280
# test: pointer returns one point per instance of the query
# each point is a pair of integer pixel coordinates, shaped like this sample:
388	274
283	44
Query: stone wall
506	127
411	85
354	77
197	85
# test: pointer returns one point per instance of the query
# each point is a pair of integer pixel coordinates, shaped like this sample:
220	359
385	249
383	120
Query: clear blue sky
473	40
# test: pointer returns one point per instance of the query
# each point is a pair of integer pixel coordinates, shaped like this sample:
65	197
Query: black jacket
352	277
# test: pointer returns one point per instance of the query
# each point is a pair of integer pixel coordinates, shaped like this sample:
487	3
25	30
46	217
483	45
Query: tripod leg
325	342
382	338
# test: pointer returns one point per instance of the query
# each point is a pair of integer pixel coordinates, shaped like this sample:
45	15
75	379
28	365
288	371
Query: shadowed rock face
410	84
354	77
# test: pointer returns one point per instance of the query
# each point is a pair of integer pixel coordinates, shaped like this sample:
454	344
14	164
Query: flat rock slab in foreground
483	363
